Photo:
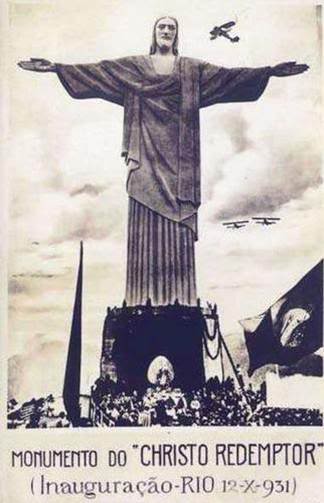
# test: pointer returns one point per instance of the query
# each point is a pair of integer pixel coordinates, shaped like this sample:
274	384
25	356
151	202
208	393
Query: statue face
165	33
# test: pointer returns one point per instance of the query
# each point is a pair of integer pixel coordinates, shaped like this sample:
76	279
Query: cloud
30	374
89	189
236	126
86	223
84	219
16	287
34	275
51	256
246	270
232	286
23	384
266	161
39	309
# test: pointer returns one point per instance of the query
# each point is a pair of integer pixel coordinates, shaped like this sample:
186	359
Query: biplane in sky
236	225
266	220
222	31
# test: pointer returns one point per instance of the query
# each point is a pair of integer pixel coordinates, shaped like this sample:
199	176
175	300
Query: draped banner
291	328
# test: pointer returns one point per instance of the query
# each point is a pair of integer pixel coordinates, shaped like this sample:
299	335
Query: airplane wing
227	26
236	222
266	218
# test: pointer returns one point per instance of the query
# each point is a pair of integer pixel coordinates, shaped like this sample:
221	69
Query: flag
291	328
71	390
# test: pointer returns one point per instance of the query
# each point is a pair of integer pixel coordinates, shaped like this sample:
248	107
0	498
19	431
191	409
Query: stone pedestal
134	336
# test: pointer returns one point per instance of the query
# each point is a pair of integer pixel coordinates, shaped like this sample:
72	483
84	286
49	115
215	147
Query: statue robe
161	146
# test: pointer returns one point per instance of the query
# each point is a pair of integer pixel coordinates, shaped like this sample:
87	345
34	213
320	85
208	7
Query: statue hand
37	65
289	68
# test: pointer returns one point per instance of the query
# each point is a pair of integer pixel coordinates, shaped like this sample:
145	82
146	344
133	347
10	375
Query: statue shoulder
125	60
133	65
194	62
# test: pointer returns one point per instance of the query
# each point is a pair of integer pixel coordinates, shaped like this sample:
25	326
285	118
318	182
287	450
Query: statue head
165	35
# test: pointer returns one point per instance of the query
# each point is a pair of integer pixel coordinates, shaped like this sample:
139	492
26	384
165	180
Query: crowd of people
36	413
216	404
276	416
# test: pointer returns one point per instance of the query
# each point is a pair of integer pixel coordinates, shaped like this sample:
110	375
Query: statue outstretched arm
37	65
226	85
287	69
81	81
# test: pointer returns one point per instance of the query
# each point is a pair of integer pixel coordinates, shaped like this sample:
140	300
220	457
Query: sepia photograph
163	169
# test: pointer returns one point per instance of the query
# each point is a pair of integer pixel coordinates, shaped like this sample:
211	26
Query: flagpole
71	389
239	377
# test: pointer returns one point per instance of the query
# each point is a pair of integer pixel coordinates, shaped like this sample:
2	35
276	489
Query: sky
67	179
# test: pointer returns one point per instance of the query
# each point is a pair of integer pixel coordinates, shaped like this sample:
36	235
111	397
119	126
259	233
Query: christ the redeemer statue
162	94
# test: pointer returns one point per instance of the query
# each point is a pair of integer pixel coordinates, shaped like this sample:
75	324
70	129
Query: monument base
134	336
